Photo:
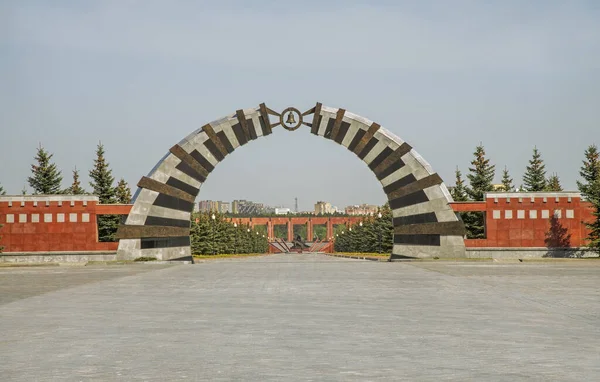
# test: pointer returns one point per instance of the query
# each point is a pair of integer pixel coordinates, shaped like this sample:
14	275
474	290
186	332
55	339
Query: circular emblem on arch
290	118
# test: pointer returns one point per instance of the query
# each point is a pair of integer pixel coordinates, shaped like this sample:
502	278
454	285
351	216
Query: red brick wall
51	225
522	230
510	223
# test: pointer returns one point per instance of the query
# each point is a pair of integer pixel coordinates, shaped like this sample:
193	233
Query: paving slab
302	317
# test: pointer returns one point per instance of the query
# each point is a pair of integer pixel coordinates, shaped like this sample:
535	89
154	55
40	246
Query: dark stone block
138	231
357	137
167	201
225	141
263	126
397	165
385	153
421	184
251	129
440	228
164	242
183	186
429	240
239	134
163	188
189	171
366	138
189	165
382	166
427	217
212	147
329	128
342	132
372	142
155	220
409	200
202	160
314	129
408	179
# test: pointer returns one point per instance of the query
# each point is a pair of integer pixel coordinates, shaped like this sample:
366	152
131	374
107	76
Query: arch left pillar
159	222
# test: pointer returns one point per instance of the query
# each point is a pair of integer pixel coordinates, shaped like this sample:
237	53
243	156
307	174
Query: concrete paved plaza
302	317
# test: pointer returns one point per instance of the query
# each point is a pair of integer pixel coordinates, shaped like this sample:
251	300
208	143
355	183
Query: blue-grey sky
443	75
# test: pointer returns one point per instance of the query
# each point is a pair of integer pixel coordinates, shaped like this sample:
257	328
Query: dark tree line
373	234
589	187
218	235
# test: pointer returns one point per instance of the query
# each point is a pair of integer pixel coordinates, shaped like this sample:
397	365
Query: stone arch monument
424	223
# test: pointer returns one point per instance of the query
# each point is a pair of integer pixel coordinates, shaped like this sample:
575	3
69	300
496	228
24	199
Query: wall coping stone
570	194
48	198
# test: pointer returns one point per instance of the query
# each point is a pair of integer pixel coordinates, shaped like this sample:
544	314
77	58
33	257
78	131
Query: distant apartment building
247	207
225	207
322	208
235	206
204	205
210	206
282	211
363	209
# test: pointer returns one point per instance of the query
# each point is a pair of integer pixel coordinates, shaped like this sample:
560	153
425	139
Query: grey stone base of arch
424	223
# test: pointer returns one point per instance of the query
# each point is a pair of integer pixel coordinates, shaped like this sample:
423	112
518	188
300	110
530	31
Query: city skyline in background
248	207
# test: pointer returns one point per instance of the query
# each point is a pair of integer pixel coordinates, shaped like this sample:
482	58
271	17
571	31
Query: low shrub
144	258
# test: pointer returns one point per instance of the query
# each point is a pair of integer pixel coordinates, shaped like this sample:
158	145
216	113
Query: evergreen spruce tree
507	181
535	174
102	186
102	179
75	188
553	184
123	192
200	234
46	178
590	190
220	236
481	176
384	230
375	235
459	191
24	190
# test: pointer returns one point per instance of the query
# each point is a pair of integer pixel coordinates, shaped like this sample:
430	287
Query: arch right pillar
424	223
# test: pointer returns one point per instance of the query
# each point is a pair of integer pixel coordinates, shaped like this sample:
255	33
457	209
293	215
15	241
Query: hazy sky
443	75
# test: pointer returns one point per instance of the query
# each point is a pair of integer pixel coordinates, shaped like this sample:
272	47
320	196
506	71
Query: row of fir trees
46	179
481	175
372	234
214	233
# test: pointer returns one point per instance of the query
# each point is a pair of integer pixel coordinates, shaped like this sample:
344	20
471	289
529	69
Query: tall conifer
590	190
507	181
481	176
75	188
102	179
102	186
534	178
45	178
459	192
553	184
123	192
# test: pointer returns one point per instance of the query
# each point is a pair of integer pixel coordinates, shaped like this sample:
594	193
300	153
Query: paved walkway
302	317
